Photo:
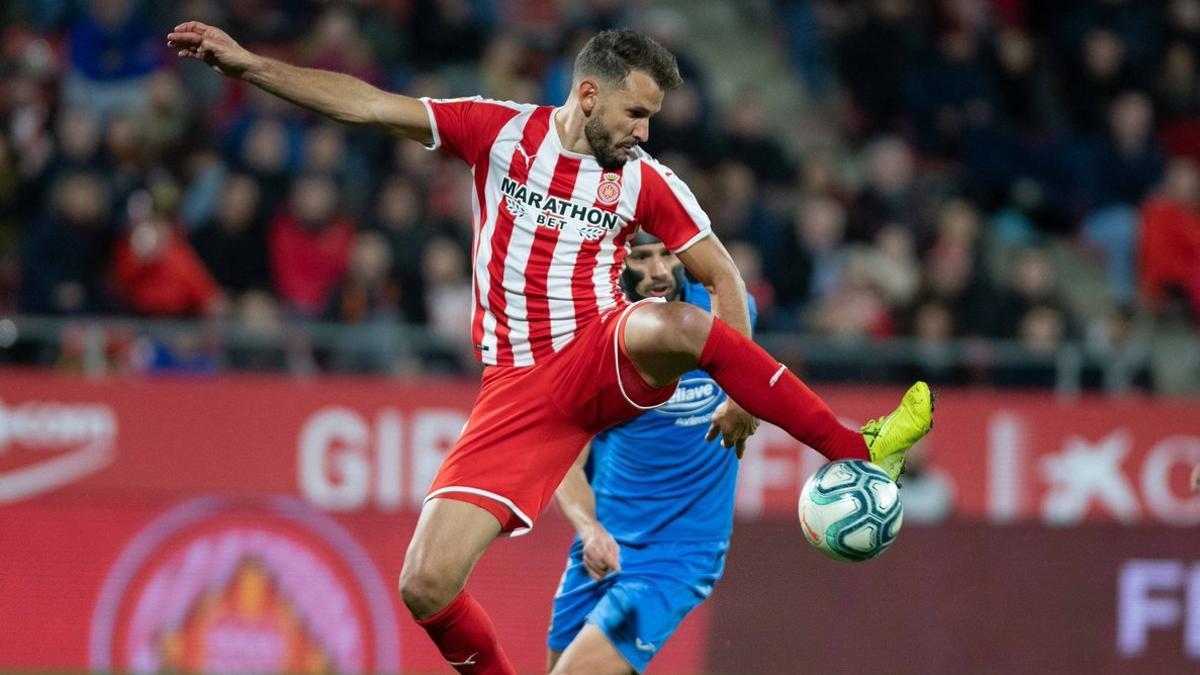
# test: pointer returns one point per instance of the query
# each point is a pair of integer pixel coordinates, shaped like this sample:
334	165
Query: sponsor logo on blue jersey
693	402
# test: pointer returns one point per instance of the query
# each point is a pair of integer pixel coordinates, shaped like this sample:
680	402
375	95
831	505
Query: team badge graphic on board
218	585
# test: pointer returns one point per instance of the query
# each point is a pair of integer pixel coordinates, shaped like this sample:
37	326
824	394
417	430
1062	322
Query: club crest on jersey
540	210
609	191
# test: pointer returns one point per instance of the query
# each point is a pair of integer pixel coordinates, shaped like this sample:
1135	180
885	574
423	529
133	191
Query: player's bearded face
609	154
653	267
620	120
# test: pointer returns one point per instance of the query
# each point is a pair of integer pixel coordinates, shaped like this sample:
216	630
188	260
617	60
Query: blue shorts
639	607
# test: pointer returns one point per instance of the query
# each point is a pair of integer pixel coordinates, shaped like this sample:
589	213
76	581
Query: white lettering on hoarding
349	460
1006	452
1173	451
1148	599
1084	475
71	440
52	425
346	463
333	464
1084	472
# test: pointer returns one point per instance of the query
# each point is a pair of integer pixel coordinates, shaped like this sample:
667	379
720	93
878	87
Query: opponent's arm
601	554
709	262
335	95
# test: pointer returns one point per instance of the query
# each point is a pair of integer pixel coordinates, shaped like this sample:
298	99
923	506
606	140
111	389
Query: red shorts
529	423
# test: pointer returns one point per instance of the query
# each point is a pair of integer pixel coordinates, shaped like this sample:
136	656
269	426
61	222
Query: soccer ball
850	510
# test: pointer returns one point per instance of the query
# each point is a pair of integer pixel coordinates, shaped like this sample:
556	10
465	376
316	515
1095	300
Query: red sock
769	391
467	639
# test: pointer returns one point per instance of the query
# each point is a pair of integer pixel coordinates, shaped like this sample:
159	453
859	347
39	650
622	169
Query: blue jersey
655	477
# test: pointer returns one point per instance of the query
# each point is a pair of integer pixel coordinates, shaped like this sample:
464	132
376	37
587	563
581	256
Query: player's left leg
666	340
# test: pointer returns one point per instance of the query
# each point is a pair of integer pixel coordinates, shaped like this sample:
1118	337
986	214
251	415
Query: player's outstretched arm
601	554
335	95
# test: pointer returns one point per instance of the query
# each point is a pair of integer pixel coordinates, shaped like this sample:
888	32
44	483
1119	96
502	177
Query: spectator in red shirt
309	246
158	274
1169	252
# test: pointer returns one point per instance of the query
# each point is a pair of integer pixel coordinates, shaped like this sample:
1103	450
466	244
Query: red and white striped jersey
551	225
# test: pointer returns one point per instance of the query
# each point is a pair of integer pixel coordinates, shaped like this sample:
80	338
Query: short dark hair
612	54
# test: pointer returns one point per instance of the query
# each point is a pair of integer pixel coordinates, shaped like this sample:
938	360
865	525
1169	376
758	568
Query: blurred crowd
953	169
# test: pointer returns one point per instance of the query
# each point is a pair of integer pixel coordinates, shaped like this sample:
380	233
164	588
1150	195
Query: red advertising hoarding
203	524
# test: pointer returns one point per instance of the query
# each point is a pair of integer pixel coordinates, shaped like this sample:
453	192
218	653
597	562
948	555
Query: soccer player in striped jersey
557	193
651	500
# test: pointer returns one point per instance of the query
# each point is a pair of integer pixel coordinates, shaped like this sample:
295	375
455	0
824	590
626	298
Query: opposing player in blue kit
652	503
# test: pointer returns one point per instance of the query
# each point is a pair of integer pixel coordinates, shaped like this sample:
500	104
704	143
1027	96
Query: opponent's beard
631	279
608	155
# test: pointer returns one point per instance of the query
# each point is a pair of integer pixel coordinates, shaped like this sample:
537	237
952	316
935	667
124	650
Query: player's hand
734	425
195	40
1196	479
601	554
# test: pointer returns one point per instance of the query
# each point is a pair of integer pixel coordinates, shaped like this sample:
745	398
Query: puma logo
528	159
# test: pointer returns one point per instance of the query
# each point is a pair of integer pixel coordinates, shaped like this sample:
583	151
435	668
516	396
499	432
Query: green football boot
889	438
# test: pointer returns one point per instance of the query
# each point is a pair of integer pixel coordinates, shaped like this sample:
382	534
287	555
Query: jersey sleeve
668	210
467	127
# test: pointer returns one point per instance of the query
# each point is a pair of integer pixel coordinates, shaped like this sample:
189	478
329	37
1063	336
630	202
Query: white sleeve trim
437	138
693	241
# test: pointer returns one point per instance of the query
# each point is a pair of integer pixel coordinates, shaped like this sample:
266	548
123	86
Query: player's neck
569	121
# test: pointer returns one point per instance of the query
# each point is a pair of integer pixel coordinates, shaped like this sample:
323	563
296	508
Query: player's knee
424	592
685	327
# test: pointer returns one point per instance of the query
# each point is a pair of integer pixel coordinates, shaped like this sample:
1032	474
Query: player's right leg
503	470
450	537
665	340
